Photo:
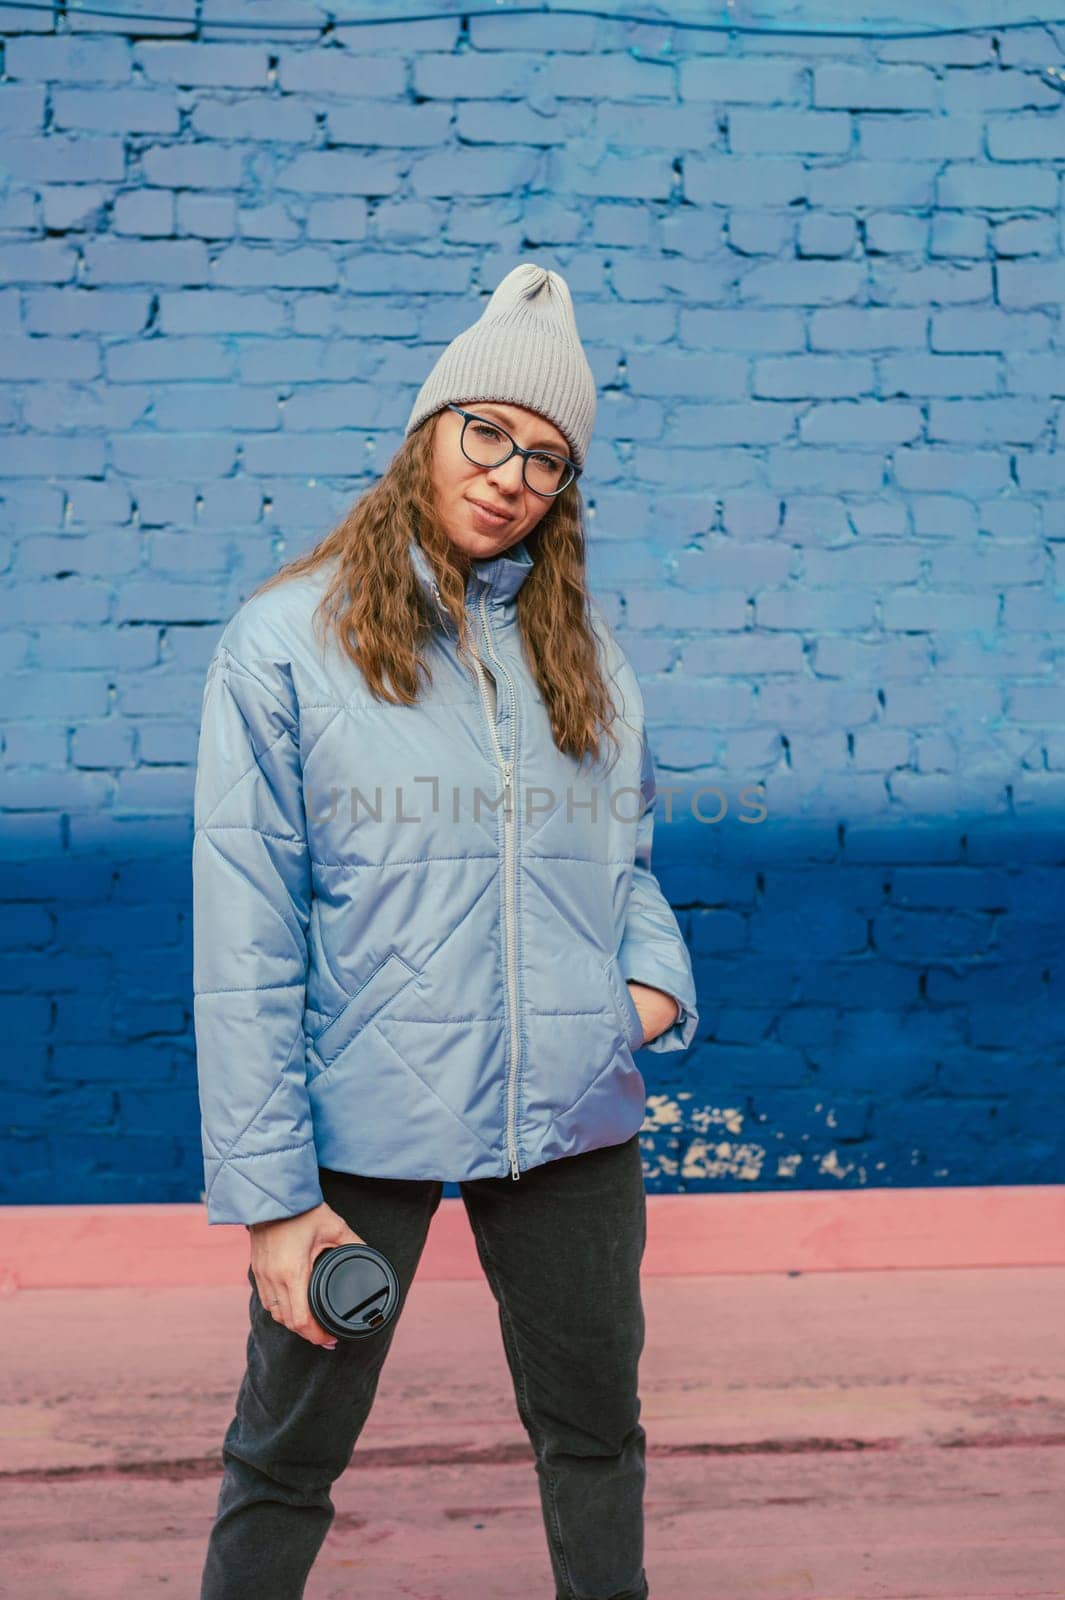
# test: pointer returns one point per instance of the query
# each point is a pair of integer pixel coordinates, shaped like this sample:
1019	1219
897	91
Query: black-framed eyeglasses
487	444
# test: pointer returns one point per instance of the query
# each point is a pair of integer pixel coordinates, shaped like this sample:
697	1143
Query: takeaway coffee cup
353	1290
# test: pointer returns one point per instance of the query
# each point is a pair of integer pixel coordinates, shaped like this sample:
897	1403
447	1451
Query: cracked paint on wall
699	1142
699	1156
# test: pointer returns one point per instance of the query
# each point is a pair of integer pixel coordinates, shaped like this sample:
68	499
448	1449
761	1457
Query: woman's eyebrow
493	411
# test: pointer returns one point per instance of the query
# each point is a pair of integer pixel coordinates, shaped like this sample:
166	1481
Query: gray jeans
561	1249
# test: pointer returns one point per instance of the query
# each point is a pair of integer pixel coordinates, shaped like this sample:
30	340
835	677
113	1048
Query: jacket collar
503	574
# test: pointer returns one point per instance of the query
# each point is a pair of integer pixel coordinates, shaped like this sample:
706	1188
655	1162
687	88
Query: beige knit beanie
523	349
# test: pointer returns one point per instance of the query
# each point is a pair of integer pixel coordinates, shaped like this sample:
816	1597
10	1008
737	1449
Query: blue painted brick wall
820	282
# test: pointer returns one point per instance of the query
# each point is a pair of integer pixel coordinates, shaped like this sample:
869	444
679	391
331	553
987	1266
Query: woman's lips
488	519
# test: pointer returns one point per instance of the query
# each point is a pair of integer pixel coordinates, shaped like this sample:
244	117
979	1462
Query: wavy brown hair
377	611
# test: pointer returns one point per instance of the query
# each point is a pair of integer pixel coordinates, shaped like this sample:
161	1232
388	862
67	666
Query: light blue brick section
820	281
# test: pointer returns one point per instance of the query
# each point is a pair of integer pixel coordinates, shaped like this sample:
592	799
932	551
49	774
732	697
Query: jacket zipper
509	868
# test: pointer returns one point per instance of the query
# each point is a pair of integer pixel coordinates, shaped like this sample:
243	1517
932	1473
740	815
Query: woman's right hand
283	1253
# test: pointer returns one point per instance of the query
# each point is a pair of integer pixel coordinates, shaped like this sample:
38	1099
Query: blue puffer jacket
396	973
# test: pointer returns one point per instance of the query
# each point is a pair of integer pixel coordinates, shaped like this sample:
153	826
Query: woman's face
459	483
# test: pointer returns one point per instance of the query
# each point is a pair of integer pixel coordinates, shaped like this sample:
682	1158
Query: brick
867	328
68	60
987	328
795	469
176	455
941	469
47	357
102	744
946	611
866	183
736	81
895	233
942	517
759	232
810	283
166	261
753	423
21	107
903	284
144	211
884	88
987	421
496	172
216	310
743	329
73	207
618	74
37	261
193	166
38	456
1020	236
258	267
1028	284
1034	136
996	90
821	609
339	172
919	138
858	422
271	121
996	188
60	157
824	234
784	132
204	65
954	234
939	375
738	657
115	111
209	216
729	180
165	358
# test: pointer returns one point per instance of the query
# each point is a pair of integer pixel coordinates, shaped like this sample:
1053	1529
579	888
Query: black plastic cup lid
353	1290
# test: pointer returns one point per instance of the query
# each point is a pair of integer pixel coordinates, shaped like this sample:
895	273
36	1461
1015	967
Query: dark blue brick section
820	282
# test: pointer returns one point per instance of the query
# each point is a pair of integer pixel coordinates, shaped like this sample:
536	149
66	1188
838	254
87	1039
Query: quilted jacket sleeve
251	905
653	950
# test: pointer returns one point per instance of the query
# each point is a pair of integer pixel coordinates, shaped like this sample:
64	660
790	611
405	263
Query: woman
427	941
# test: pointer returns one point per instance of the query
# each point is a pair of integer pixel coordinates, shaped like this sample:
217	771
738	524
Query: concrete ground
826	1435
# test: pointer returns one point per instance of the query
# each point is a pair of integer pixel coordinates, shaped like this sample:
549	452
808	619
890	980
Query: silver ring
273	1302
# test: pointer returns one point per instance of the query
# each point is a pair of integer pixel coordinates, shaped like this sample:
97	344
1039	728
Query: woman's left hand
658	1010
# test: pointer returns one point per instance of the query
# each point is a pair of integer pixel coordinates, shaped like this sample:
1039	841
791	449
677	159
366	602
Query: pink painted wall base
172	1246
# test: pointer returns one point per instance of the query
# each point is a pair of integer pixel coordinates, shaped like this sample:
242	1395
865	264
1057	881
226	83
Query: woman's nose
508	476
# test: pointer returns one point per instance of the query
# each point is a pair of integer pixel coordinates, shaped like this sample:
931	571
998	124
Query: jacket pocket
624	1005
384	983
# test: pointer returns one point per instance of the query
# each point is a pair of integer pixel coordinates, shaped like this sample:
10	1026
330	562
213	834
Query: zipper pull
445	616
514	1166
